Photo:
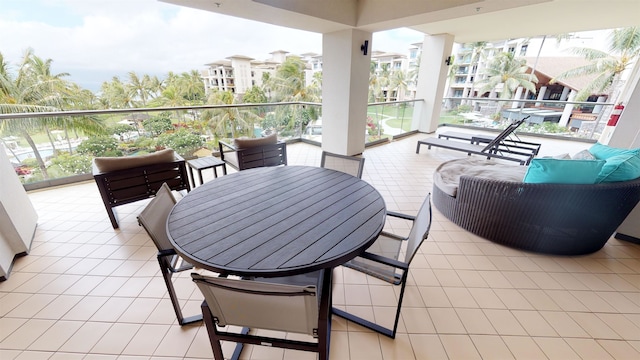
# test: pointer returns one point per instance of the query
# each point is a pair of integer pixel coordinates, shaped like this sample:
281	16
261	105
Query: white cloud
148	37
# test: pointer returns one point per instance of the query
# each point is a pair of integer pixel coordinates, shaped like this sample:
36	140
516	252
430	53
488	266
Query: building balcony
87	291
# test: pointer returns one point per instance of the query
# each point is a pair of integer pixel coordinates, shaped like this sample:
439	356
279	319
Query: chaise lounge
497	148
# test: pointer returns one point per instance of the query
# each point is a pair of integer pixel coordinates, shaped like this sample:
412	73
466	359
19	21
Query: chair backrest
504	134
154	217
261	305
420	229
263	155
351	165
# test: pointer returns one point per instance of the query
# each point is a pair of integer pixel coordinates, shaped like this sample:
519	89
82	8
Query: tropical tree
289	84
228	120
624	50
398	82
510	72
33	88
477	52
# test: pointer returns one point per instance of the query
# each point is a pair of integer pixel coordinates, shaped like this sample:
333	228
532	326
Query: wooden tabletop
276	221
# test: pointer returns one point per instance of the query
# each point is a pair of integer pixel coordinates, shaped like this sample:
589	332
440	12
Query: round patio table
276	221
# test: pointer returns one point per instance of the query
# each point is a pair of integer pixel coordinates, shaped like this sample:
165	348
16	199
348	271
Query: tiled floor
87	291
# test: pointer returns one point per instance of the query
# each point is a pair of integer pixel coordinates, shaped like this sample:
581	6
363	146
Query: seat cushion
243	143
562	171
447	175
108	164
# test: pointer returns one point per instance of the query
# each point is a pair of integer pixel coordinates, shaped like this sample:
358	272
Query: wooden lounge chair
496	148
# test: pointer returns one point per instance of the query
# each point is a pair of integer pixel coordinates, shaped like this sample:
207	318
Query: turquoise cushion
621	164
556	171
620	168
603	152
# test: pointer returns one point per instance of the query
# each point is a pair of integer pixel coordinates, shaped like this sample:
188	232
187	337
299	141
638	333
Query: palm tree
624	49
35	89
228	119
510	72
137	89
398	82
477	52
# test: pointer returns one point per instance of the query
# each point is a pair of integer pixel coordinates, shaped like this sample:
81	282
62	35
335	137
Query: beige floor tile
589	349
563	324
86	337
556	348
26	334
55	336
619	349
446	321
460	297
427	347
475	321
459	347
116	339
364	346
513	299
491	347
595	327
504	322
523	347
534	323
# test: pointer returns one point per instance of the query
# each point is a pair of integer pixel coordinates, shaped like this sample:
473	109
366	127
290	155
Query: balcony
87	291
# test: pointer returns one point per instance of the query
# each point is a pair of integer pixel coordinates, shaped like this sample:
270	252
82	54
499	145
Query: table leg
215	172
193	182
200	176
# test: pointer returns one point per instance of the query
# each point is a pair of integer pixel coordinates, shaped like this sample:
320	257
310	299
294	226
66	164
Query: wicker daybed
564	219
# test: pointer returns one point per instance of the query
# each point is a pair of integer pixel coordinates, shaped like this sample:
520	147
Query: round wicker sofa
562	219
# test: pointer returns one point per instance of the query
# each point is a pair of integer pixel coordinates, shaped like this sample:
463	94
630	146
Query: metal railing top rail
174	108
559	102
141	110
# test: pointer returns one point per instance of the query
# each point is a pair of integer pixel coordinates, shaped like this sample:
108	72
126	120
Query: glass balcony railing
56	148
564	119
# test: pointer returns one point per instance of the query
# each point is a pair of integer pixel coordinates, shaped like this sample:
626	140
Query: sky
94	40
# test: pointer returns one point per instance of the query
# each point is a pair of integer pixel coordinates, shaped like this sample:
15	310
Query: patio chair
290	304
381	261
496	148
351	165
153	219
252	153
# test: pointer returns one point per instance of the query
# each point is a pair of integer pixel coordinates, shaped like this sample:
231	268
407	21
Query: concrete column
566	113
598	108
517	96
565	93
431	81
541	94
345	85
626	133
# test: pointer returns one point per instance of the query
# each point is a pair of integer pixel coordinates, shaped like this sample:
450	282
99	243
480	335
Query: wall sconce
448	60
365	47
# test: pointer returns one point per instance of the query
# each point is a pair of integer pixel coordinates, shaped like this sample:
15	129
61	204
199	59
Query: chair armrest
385	260
222	145
401	216
167	252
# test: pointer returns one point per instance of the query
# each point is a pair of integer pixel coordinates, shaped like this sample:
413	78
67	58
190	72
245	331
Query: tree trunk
36	153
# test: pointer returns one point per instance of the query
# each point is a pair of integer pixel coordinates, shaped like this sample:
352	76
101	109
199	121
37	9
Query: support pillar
541	94
431	81
345	86
566	113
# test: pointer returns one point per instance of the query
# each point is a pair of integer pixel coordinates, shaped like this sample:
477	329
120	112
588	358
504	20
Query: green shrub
100	146
70	164
182	141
